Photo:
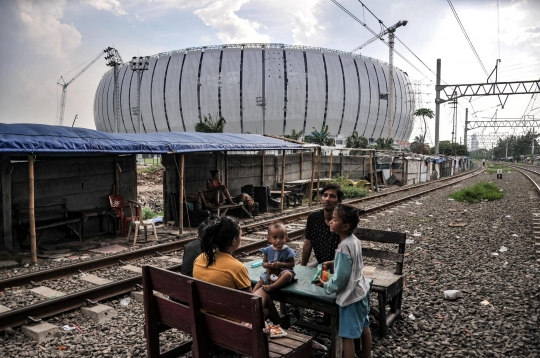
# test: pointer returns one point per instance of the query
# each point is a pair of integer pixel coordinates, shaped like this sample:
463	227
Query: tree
446	148
208	125
356	141
294	135
424	112
382	143
321	137
418	145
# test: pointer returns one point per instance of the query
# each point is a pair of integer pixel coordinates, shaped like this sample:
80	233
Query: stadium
258	88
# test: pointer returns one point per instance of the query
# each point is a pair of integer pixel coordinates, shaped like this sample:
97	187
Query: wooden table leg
336	348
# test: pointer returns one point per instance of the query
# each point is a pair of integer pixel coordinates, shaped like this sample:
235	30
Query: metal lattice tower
114	60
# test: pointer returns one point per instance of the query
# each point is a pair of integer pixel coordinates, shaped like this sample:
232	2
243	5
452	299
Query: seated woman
216	192
217	264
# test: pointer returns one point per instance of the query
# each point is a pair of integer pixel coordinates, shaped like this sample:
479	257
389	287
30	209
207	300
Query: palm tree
356	141
424	112
208	125
294	135
418	146
320	137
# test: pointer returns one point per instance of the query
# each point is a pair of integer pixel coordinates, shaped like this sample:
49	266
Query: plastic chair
137	221
118	206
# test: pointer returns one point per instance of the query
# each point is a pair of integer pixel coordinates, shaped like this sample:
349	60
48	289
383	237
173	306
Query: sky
42	40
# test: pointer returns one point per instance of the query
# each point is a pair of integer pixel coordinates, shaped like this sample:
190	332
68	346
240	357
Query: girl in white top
349	283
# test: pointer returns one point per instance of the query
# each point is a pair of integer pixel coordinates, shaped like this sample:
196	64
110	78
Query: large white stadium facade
259	88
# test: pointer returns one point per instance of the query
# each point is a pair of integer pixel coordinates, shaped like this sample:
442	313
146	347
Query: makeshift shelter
82	165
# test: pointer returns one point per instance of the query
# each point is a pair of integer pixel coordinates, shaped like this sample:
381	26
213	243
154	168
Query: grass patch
150	169
349	191
478	192
492	169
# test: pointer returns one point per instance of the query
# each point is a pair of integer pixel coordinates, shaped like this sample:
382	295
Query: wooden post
312	177
371	169
226	170
31	213
262	166
301	164
282	182
5	206
331	158
181	196
136	189
116	176
319	173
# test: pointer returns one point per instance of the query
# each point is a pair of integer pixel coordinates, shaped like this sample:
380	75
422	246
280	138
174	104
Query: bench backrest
388	237
189	312
45	209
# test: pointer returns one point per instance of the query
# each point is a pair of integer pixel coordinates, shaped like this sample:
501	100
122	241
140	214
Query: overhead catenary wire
467	37
376	34
411	51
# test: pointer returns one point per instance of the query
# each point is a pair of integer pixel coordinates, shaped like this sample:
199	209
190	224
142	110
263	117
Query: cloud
42	29
306	23
231	28
113	6
535	29
205	38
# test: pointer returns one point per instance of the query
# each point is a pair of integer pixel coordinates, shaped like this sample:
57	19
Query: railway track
152	254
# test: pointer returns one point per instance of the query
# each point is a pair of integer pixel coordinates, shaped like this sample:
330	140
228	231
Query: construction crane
390	31
61	82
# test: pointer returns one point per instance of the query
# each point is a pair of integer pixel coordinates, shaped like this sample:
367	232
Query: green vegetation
478	192
148	213
492	168
150	169
349	191
209	125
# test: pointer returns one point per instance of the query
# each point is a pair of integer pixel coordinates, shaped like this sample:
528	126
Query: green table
303	293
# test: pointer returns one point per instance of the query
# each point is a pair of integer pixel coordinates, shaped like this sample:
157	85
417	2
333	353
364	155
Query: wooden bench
387	284
48	213
188	310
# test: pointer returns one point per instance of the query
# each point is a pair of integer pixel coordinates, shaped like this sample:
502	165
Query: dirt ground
150	187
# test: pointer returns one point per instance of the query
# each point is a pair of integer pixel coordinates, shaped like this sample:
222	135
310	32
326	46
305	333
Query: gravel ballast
443	258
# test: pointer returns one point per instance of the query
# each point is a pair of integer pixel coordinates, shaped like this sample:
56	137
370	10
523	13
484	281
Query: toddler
278	260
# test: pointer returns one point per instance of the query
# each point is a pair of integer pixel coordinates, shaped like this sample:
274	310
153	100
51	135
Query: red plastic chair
118	206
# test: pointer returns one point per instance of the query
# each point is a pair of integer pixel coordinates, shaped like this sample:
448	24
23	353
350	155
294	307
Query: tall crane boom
390	85
61	82
379	36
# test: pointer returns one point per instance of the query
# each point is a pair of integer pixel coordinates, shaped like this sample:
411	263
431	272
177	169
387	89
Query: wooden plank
390	237
380	254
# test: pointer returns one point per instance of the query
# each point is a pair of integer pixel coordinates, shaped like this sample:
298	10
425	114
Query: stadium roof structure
46	139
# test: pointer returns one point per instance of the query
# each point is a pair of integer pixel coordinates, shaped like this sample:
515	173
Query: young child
278	260
349	283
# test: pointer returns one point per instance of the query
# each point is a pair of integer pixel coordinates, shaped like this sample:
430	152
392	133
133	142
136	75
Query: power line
467	37
498	30
376	34
411	51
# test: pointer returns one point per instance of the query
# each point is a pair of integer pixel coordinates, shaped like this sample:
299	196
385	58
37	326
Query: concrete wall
84	182
244	169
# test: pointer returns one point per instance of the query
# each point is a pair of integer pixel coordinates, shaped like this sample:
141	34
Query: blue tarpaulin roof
41	138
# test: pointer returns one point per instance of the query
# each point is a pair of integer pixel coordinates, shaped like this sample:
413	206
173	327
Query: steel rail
61	304
111	260
65	303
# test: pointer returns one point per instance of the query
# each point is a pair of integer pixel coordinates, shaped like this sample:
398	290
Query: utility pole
437	106
139	65
465	129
